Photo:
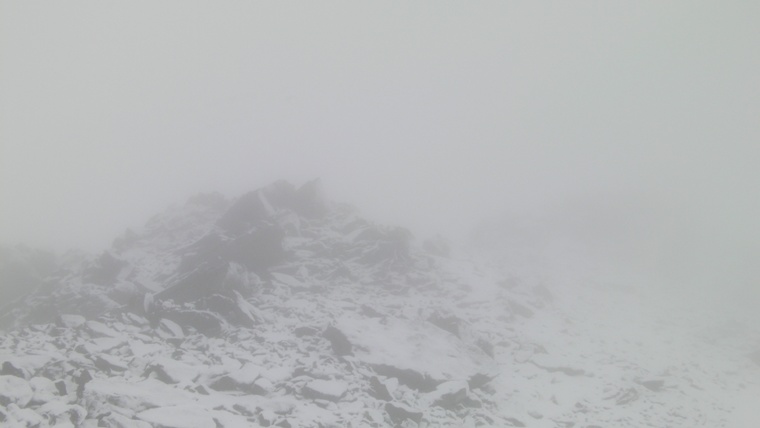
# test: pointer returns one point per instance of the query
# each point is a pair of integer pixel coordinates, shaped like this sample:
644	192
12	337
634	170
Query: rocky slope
281	308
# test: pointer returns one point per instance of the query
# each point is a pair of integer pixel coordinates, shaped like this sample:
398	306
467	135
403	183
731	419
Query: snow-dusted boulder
332	390
44	390
15	390
419	354
71	320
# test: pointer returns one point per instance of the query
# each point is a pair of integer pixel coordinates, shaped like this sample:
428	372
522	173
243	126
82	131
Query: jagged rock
246	311
332	390
340	343
15	390
60	386
449	323
379	390
652	384
278	374
204	280
259	249
44	390
399	413
126	293
58	412
71	320
248	211
19	417
98	329
310	201
254	208
370	312
452	395
81	380
105	269
204	322
411	378
514	422
10	370
169	328
109	363
305	331
243	379
520	309
460	329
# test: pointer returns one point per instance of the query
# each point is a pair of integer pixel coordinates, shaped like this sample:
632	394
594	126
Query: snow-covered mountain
282	308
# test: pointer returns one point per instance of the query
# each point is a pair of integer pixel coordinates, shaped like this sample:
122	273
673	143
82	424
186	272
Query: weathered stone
15	390
71	320
332	390
411	378
451	395
10	370
379	390
104	270
520	309
399	413
653	384
340	343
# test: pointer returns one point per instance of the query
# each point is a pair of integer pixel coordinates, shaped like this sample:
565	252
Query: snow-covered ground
355	324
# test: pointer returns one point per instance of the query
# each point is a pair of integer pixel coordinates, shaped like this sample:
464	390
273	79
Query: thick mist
631	129
601	145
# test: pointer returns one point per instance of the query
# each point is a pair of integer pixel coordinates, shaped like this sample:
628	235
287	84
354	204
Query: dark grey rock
411	378
399	413
340	343
378	389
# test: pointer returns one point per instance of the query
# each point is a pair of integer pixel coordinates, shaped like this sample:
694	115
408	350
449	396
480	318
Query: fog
625	134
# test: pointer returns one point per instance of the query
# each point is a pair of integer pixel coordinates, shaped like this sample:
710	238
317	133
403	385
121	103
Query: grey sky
430	114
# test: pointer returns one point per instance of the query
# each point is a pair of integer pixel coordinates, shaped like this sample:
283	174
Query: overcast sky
430	114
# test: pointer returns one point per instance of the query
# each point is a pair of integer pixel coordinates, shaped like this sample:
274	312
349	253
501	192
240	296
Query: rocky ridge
281	308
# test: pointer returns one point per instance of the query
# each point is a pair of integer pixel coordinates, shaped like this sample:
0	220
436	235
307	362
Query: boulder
249	210
340	343
10	370
104	270
71	320
310	201
44	390
332	390
419	354
15	390
399	413
452	396
378	389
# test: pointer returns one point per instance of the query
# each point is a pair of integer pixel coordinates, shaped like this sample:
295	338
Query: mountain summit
281	308
278	293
